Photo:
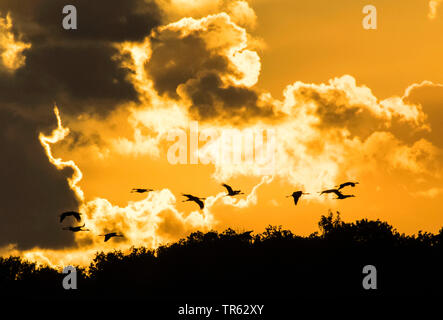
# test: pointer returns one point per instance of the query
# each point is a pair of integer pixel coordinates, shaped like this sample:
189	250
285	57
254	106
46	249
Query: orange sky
340	108
312	42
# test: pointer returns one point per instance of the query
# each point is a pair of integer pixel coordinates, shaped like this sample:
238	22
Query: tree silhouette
275	264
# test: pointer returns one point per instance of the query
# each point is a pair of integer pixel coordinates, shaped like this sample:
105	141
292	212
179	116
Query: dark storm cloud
81	78
111	20
76	68
184	66
210	99
80	71
175	60
32	191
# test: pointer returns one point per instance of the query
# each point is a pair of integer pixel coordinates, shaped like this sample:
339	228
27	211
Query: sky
182	96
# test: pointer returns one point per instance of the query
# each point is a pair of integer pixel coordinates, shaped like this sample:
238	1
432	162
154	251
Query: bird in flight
138	190
230	191
111	235
296	195
74	214
344	196
340	196
329	191
346	184
76	229
197	200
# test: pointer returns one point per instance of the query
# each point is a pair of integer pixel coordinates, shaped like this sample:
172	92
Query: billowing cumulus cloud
323	130
343	104
242	14
207	63
240	11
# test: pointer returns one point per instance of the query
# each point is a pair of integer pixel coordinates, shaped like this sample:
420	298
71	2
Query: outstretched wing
230	191
343	185
76	215
62	217
297	196
338	193
352	184
200	203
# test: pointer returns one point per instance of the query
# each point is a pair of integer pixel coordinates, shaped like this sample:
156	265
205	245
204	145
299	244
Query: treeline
275	264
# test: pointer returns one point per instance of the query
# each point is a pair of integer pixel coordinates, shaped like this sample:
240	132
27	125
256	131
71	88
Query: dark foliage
273	265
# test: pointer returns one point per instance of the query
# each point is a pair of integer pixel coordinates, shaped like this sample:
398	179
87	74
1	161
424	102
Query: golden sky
342	104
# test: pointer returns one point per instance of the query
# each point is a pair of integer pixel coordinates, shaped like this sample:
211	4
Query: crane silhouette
76	229
231	192
329	191
344	196
296	195
139	190
197	200
111	235
340	196
74	214
346	184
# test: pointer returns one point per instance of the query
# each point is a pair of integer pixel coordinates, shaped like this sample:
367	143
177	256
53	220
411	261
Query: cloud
250	199
341	129
149	222
431	193
33	192
429	96
422	157
342	103
242	14
207	63
239	10
324	130
433	5
76	68
11	49
116	21
58	135
177	9
41	63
